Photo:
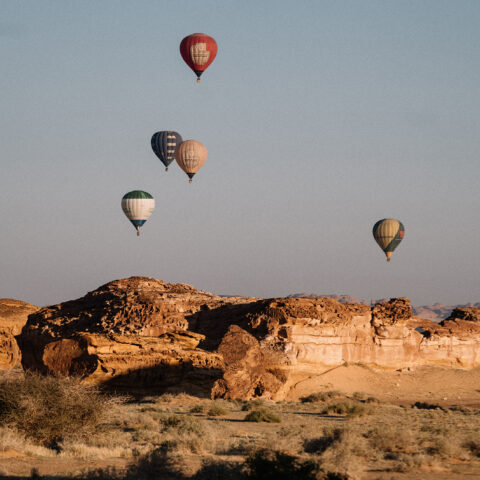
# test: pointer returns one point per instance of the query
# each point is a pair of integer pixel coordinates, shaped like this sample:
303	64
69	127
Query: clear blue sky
319	118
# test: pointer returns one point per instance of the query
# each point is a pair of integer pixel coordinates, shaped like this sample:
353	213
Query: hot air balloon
388	233
198	51
190	156
138	206
164	145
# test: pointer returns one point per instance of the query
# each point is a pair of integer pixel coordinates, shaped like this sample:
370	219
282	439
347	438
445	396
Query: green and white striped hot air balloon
388	233
138	206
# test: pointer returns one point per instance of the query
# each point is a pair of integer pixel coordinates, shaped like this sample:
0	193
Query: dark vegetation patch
427	406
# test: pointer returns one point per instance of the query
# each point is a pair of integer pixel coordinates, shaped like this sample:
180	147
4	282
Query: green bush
263	415
49	409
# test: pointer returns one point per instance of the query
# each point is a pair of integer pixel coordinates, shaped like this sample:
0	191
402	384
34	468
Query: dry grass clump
253	404
365	398
183	433
321	396
181	424
389	440
320	444
346	407
199	408
263	415
344	452
217	410
49	409
472	445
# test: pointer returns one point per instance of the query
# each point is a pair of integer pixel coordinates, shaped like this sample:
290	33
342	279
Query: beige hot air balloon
190	156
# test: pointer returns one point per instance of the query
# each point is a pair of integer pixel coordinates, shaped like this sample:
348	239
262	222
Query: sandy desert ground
362	423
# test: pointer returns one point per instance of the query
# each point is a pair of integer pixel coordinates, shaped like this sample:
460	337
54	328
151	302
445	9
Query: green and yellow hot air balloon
388	233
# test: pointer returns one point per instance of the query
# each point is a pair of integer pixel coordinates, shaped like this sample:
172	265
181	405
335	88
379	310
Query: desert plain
145	379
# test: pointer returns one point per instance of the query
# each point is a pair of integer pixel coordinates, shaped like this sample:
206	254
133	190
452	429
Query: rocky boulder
13	316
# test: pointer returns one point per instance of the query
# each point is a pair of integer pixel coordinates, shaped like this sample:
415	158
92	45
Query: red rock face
13	316
142	334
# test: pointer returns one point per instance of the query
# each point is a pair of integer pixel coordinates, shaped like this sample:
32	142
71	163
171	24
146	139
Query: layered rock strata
145	334
13	316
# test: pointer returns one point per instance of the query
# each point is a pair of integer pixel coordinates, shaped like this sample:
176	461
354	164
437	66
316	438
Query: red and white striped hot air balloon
198	51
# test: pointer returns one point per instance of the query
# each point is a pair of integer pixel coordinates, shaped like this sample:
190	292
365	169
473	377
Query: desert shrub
219	470
253	404
320	396
272	465
199	408
263	415
435	429
442	446
320	444
473	446
157	464
290	431
462	409
389	440
347	407
216	410
346	453
182	424
427	406
166	398
49	409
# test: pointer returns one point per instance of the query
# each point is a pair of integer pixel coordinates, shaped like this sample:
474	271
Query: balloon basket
138	234
190	181
198	80
166	169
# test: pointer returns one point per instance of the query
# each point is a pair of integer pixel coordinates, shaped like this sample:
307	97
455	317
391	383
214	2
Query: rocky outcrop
13	316
128	333
148	335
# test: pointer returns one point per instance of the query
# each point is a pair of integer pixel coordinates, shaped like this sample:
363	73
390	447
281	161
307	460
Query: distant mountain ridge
436	312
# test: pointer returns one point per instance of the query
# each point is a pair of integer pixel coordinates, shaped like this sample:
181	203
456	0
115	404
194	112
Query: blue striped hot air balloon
138	206
164	144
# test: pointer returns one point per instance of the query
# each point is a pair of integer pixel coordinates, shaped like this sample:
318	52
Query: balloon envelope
191	156
388	233
198	51
164	144
138	206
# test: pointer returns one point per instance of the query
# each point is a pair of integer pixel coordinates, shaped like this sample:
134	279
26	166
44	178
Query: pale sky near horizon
319	118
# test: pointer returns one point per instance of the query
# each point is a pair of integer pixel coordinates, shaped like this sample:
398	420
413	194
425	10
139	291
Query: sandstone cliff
145	334
13	316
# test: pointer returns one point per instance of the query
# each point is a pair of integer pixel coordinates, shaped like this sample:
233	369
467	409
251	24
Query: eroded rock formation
13	316
148	335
